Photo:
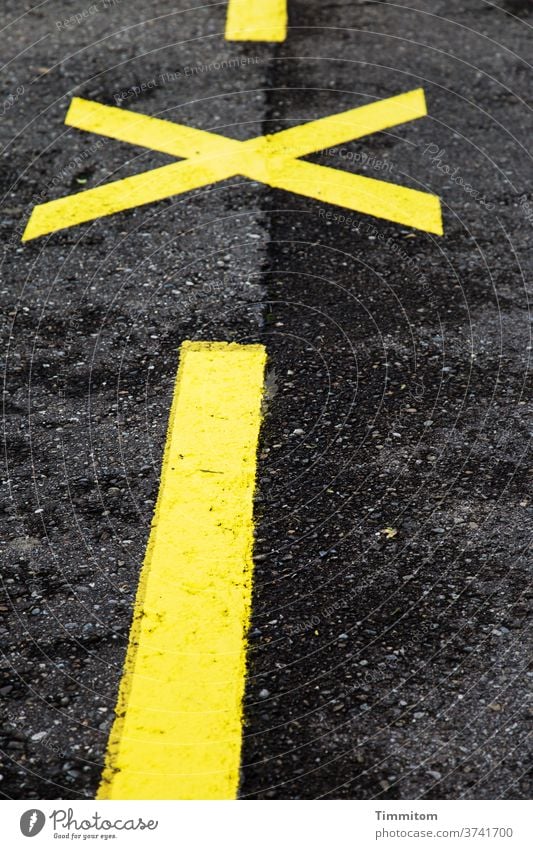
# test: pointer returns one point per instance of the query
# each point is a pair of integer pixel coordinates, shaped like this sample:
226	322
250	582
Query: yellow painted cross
256	20
273	160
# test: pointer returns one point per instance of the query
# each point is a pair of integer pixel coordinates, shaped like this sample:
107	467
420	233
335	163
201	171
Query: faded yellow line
177	732
256	20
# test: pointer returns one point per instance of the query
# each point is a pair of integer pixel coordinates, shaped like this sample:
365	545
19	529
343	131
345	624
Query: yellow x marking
271	159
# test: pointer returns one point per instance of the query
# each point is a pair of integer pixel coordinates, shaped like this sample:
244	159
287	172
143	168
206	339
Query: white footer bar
270	824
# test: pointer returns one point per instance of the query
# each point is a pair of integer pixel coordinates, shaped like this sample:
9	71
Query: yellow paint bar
344	127
186	142
256	20
388	201
177	732
143	130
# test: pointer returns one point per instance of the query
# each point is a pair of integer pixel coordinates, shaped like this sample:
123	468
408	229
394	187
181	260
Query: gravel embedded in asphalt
388	642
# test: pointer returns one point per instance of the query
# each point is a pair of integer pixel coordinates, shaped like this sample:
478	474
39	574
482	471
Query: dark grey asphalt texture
389	643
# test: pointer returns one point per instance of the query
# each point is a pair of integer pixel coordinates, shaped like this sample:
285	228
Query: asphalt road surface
389	638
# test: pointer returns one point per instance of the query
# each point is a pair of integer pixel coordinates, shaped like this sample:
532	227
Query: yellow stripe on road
129	193
177	734
358	193
301	140
344	127
256	20
143	130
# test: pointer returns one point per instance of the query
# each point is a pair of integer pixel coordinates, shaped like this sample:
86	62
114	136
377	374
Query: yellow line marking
256	20
177	734
180	140
269	159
